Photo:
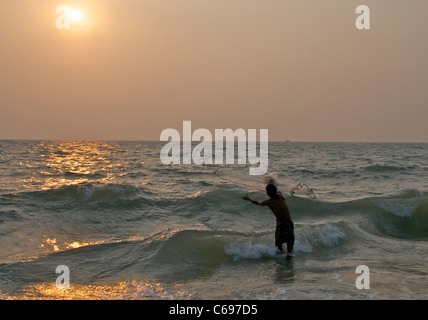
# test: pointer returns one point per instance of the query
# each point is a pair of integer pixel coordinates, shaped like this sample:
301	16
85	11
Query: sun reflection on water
77	162
52	245
129	290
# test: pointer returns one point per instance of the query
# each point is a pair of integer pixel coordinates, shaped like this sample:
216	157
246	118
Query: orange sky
133	68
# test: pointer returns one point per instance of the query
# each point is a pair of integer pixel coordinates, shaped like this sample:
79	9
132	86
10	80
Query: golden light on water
80	170
121	290
52	245
76	244
51	242
74	163
48	291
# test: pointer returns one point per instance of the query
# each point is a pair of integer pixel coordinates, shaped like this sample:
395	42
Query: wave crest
85	191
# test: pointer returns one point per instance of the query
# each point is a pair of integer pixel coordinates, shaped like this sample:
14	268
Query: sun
76	15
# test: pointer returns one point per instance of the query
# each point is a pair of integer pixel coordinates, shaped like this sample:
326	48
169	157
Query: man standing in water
284	232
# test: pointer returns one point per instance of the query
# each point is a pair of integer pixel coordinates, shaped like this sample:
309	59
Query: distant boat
288	141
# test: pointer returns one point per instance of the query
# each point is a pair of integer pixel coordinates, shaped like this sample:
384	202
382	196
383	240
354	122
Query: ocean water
129	227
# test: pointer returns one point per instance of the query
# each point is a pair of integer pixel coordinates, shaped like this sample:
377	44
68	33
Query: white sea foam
318	234
251	250
396	208
306	239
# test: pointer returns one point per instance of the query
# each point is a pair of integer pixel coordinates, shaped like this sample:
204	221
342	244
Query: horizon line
150	140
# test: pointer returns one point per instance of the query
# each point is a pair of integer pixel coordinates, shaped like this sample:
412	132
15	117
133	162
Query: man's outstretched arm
259	203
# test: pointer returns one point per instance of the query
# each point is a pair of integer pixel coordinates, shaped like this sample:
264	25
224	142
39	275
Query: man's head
271	191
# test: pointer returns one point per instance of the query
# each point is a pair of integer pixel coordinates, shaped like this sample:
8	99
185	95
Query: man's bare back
279	208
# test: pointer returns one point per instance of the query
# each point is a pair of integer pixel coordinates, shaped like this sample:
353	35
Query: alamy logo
63	281
363	21
363	281
203	152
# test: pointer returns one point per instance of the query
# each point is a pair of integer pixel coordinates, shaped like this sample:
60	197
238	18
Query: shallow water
129	227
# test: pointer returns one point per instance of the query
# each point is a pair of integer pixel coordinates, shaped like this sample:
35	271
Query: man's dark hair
272	191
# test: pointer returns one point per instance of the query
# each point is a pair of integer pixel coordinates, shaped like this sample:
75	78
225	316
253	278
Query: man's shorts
284	232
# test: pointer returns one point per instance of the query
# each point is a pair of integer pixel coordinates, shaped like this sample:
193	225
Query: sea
108	220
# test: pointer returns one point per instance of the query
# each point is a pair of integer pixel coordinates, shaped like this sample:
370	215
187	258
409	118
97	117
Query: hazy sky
132	68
